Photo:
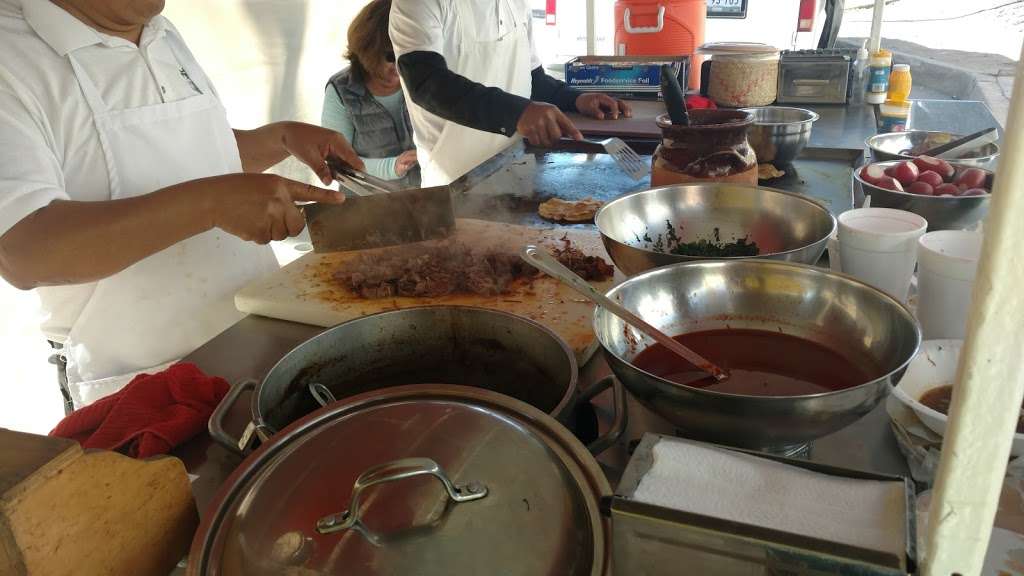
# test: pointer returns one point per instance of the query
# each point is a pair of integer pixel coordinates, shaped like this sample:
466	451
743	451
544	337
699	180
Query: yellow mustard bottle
900	83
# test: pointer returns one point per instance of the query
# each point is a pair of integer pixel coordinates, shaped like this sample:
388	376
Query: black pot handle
618	427
216	423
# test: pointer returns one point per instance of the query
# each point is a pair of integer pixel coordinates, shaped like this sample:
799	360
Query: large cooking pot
425	480
445	344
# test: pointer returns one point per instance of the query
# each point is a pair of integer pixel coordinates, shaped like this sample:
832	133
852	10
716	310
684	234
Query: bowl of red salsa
809	351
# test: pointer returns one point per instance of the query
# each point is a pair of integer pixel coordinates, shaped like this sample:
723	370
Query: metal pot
832	309
445	344
426	479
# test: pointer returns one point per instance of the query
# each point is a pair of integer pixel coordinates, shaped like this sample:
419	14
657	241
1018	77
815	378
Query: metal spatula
627	158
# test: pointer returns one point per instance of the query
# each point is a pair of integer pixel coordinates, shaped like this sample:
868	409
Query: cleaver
377	214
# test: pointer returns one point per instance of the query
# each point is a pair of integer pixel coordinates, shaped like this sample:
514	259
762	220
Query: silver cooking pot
445	344
425	480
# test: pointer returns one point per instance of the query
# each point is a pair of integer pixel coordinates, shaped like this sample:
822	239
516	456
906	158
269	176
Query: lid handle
389	472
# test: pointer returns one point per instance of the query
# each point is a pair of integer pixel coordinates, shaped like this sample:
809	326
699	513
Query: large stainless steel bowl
907	145
785	225
779	133
832	309
941	212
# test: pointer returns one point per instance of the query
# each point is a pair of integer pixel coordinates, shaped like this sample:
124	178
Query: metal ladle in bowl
540	259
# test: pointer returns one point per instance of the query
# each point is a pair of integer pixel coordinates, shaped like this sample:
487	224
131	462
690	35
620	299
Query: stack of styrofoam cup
879	247
945	277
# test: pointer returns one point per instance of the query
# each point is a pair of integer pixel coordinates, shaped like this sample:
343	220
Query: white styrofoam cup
879	247
948	260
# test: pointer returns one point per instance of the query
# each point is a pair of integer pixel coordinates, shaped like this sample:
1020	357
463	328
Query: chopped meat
587	267
453	268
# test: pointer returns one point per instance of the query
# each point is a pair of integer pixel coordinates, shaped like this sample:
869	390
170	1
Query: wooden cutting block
305	291
64	511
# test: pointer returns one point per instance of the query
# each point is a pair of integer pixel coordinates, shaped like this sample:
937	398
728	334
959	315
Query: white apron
503	63
167	305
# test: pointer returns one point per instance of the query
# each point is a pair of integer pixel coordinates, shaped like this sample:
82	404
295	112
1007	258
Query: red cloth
151	415
694	102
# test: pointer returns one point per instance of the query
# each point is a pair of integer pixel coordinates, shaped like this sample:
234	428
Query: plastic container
858	83
878	77
742	75
893	116
660	27
900	82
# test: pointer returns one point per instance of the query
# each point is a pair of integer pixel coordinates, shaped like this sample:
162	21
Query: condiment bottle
893	116
900	82
878	74
859	82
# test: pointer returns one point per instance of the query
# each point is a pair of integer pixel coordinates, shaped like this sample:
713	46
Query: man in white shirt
472	80
125	197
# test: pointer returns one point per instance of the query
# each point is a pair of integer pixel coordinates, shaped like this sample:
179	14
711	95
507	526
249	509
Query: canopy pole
591	28
987	398
875	42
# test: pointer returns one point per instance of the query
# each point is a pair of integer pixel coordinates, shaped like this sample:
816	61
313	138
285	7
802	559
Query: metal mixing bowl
886	147
941	212
785	225
779	133
838	311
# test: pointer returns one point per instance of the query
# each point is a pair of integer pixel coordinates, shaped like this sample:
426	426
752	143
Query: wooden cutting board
304	291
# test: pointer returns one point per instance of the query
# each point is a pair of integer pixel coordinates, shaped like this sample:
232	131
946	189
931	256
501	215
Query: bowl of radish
912	143
950	196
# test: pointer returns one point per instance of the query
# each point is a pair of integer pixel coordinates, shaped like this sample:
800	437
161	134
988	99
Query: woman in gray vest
365	102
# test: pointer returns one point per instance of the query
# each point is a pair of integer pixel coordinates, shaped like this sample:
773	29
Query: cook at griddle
473	80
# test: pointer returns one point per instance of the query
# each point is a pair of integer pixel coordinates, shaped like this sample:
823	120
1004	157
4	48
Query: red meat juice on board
759	362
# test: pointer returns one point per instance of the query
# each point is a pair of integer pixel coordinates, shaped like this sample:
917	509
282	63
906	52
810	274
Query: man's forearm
71	242
456	98
544	88
262	147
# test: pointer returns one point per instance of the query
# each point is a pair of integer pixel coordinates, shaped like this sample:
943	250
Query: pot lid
425	479
736	48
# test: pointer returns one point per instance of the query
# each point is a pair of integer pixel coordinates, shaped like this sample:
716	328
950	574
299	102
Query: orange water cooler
661	28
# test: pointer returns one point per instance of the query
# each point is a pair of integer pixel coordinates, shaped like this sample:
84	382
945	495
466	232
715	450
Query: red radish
921	188
905	172
889	183
931	178
970	178
891	171
974	192
874	174
947	171
925	163
947	190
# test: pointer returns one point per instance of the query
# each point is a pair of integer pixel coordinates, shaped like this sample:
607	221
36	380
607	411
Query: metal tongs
358	182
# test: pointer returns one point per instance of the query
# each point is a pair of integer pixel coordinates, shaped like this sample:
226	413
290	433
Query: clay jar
713	148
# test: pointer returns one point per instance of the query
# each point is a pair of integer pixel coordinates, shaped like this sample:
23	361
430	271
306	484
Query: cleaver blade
379	220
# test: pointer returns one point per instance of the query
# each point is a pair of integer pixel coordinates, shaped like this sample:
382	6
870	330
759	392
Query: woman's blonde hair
368	40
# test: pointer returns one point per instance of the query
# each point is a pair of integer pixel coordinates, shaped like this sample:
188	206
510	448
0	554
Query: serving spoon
543	261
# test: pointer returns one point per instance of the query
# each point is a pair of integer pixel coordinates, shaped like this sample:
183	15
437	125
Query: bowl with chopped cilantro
712	221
